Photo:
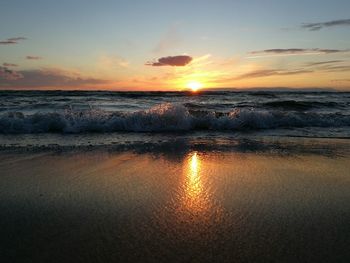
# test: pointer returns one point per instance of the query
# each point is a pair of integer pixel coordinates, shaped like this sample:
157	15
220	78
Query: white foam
164	117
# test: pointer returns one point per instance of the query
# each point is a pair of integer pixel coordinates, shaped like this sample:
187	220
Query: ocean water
311	114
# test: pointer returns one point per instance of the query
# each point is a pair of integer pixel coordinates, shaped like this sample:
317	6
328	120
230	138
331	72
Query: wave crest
165	117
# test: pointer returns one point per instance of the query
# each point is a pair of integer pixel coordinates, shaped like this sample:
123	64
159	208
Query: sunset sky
165	45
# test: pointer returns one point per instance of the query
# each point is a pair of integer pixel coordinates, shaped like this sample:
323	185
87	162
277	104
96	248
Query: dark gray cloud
271	72
297	51
175	61
33	57
332	23
7	42
11	41
9	65
45	78
7	74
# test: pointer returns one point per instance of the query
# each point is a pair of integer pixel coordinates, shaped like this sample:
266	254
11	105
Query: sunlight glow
194	85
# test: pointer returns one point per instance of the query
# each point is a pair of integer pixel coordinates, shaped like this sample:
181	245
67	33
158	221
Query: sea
78	118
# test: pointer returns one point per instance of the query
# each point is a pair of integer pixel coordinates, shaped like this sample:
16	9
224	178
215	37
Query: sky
174	45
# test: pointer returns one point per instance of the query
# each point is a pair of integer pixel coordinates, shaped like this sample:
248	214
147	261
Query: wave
165	118
300	105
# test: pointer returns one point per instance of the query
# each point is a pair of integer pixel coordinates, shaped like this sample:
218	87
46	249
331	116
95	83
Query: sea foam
165	117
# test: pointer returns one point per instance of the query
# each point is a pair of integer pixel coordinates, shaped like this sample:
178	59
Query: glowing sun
194	85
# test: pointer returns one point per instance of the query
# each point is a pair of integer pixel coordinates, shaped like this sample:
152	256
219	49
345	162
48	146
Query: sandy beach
165	206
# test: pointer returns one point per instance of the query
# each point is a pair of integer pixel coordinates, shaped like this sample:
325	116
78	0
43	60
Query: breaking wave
163	118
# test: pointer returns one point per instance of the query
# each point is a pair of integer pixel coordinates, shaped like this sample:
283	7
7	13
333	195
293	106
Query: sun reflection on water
193	181
195	197
192	213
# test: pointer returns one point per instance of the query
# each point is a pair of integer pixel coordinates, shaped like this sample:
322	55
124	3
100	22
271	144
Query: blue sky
112	41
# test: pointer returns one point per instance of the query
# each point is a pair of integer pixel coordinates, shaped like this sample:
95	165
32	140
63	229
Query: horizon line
310	89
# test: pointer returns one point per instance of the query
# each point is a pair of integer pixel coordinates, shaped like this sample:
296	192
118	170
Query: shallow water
164	205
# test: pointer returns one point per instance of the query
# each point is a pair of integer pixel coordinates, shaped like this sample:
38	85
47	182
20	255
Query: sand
191	206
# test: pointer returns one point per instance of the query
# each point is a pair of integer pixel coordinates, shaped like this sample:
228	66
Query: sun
194	85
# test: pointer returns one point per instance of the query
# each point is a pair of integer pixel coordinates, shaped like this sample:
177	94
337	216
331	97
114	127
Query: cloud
271	72
13	40
329	66
9	65
7	74
202	60
321	63
16	38
177	61
33	57
332	23
7	42
335	68
45	78
322	66
295	51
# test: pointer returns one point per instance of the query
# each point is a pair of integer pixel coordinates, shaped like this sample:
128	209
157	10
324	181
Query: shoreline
163	143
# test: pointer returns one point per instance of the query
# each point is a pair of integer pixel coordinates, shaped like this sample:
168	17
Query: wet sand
193	206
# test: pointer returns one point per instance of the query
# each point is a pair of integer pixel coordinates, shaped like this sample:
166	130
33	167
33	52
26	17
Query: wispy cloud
309	67
33	57
9	65
294	51
11	41
17	38
320	25
321	63
7	74
175	61
329	66
335	68
45	78
271	72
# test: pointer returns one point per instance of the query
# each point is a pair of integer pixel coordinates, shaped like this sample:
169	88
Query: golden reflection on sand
192	213
193	183
195	197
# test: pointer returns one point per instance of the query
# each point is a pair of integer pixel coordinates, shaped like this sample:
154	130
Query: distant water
309	114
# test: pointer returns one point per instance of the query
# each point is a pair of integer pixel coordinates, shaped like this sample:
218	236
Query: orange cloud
7	74
46	78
